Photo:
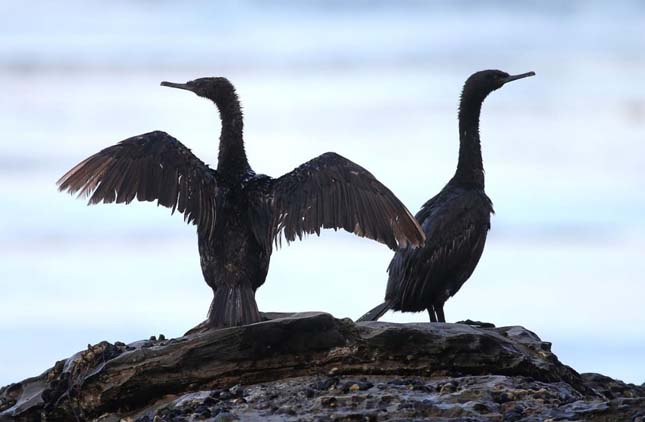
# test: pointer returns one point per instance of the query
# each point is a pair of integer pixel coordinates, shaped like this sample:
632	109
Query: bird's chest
232	254
232	226
233	237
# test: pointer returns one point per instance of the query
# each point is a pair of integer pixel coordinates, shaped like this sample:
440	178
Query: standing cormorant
455	221
240	214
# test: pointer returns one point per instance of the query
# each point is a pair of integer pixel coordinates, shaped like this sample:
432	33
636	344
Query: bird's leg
433	317
439	310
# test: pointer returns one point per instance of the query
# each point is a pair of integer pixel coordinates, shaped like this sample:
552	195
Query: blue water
375	81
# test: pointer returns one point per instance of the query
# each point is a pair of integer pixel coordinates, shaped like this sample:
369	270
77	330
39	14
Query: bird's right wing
149	167
331	191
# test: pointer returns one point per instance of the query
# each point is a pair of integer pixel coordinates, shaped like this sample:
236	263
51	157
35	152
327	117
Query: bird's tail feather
233	306
375	313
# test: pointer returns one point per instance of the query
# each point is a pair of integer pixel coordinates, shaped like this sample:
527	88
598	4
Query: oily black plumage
239	214
150	167
455	221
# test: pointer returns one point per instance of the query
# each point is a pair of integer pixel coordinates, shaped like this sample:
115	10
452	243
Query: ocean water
377	82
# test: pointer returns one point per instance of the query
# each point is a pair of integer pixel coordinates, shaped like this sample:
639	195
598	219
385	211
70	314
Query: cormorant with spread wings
239	214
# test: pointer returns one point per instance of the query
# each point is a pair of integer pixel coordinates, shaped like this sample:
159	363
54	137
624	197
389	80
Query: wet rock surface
312	367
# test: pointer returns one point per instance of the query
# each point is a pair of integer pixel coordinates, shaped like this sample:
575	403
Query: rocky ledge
313	367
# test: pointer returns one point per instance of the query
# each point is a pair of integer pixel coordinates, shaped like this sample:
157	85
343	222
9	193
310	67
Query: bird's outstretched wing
332	192
148	167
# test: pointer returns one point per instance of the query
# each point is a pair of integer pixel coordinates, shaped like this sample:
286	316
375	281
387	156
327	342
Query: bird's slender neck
470	169
232	161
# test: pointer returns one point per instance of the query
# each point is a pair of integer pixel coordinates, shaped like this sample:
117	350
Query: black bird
239	214
455	221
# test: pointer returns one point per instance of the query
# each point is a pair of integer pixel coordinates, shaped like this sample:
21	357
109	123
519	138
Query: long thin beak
516	77
176	85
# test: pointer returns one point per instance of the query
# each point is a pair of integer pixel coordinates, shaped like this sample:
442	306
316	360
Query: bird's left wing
330	191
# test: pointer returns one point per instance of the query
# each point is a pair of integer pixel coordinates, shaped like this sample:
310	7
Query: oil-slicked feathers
149	167
456	223
331	191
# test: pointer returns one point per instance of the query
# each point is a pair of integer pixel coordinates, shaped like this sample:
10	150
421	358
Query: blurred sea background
375	81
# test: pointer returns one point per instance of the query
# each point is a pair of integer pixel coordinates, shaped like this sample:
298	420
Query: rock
280	370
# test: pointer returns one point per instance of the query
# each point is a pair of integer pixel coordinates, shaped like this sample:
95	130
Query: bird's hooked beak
516	77
176	85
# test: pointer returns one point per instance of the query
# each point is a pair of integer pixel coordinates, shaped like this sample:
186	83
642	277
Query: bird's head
216	89
482	83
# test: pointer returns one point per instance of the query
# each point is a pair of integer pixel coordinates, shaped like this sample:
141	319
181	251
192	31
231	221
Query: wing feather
148	167
331	191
